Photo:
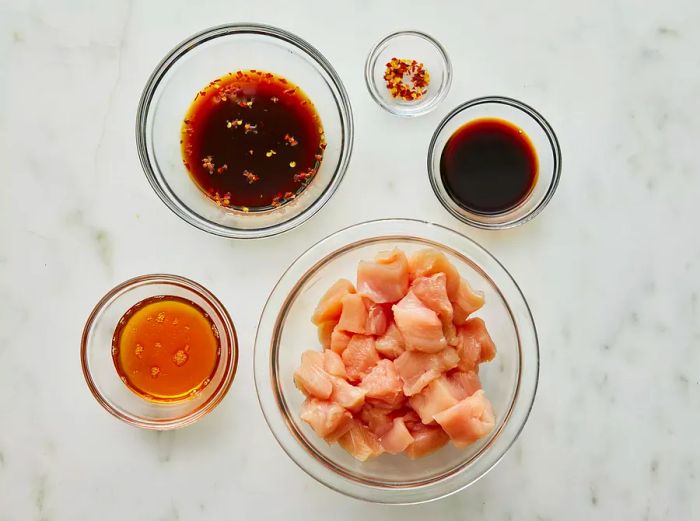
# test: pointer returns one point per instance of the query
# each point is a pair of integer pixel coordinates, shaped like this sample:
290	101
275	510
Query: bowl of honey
159	351
244	130
494	162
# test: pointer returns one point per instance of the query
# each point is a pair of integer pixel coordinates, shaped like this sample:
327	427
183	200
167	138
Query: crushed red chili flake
406	79
250	176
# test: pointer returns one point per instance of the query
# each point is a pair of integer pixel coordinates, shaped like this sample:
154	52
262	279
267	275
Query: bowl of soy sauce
494	162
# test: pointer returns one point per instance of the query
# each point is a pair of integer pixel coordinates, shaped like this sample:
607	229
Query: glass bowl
542	138
102	377
285	331
412	45
207	56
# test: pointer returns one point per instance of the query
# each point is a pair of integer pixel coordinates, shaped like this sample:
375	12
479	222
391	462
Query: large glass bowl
285	331
207	56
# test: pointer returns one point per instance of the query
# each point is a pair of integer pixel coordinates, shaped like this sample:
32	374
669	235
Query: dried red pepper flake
406	79
222	169
208	164
250	176
290	140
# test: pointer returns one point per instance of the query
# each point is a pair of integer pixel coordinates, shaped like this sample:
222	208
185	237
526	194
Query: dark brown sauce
488	166
252	140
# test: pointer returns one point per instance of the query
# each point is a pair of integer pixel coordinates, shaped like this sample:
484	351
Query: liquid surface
489	166
252	140
165	348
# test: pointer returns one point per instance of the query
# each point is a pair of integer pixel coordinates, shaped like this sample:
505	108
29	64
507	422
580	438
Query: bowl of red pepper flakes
408	73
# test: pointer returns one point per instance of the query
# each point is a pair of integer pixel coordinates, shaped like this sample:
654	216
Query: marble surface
611	268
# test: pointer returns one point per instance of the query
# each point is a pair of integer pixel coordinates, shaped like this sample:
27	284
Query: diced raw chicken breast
436	397
325	331
324	417
330	306
465	301
418	369
342	429
432	292
463	384
383	382
475	344
385	279
397	438
391	343
426	440
377	319
468	420
359	357
377	419
427	262
333	364
339	340
347	395
420	326
311	378
360	442
353	317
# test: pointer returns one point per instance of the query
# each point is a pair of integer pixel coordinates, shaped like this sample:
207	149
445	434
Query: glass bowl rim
392	108
229	333
279	423
435	178
144	139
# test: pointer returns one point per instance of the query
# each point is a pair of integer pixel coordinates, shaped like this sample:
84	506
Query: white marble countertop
611	268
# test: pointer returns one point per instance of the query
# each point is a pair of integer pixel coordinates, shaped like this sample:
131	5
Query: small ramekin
542	137
102	377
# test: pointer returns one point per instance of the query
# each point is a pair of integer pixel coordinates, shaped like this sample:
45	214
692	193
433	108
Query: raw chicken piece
377	319
475	344
427	439
385	279
311	378
427	262
347	395
376	419
333	364
391	343
325	331
325	417
360	442
436	397
420	326
468	420
465	301
463	384
382	383
359	357
330	306
418	369
339	340
397	438
432	292
353	317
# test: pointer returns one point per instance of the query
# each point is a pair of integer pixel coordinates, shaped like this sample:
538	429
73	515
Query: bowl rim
229	334
395	109
436	181
276	415
144	140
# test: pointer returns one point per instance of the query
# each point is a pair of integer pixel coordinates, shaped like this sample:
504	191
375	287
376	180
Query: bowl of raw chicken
396	361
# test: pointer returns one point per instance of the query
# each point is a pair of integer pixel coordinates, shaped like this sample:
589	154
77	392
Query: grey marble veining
611	268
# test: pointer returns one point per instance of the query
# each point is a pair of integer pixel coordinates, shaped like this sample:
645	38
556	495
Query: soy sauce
488	166
252	140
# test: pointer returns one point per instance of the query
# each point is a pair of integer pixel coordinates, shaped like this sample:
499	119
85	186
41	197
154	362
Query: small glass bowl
535	127
412	45
101	375
207	56
285	331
